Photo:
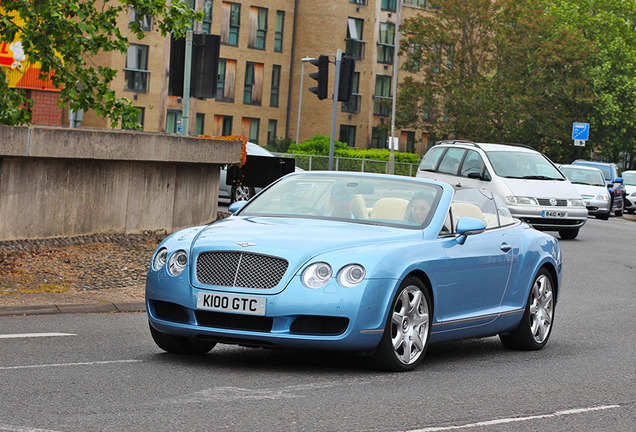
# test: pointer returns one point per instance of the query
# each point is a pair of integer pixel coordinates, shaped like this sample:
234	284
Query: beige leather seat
389	208
461	210
359	207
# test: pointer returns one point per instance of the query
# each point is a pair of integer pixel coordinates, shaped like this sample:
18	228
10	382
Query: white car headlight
177	262
160	259
522	200
317	275
602	197
351	275
576	203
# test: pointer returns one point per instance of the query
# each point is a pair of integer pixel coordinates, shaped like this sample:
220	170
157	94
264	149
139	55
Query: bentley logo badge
245	244
553	202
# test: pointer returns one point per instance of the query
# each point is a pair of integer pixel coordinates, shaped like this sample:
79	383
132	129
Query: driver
341	200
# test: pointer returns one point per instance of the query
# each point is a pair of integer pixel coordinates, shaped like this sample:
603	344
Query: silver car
590	183
534	189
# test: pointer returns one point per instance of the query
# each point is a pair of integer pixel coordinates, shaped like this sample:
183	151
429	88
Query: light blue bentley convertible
378	264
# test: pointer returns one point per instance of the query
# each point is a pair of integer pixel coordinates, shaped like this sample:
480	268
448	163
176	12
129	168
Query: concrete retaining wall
65	182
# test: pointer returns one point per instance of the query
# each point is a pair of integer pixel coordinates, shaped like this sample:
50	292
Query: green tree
64	35
495	70
609	26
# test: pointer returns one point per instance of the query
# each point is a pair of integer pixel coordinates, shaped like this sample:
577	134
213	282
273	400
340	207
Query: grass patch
45	287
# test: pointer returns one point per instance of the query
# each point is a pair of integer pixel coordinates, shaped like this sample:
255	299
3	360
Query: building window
273	97
253	86
413	58
382	97
353	106
420	3
378	138
140	119
348	135
278	35
386	43
173	121
271	131
222	125
389	5
230	23
410	142
354	44
358	2
144	21
199	121
206	23
226	80
250	128
136	71
258	28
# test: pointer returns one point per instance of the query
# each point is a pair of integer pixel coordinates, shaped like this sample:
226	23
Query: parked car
333	260
534	189
629	181
243	193
613	180
590	183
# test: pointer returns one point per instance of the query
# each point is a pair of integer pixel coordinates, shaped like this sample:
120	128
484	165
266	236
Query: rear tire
408	328
535	327
569	234
179	344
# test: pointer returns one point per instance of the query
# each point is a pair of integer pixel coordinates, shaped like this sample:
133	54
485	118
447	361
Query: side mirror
475	175
236	206
469	226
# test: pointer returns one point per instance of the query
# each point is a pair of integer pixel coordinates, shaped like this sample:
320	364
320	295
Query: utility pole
185	115
334	109
396	65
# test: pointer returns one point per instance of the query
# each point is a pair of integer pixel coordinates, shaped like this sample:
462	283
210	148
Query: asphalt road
102	372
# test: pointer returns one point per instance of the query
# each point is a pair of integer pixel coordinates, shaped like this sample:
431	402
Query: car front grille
240	269
546	202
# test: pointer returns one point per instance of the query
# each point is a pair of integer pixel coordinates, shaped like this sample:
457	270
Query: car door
477	272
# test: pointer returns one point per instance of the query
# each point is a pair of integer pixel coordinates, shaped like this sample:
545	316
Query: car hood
589	190
542	188
295	240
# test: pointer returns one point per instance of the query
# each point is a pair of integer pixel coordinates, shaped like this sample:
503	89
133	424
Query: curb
138	306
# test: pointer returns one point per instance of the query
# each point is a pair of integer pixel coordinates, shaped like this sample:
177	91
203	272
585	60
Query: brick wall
45	109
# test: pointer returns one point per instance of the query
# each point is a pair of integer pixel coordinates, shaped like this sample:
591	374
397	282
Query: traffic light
345	86
322	76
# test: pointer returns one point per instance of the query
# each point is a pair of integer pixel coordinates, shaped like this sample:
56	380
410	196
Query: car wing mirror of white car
236	206
468	226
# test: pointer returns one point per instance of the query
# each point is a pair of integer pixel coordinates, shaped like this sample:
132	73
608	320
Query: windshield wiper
538	177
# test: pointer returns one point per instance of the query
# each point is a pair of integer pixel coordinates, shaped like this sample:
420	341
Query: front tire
242	193
569	234
536	325
619	212
408	328
179	344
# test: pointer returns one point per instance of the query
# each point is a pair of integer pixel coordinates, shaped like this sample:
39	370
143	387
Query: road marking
517	419
69	364
33	335
228	394
12	428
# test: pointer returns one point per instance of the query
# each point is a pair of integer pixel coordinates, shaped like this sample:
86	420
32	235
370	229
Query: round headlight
602	197
160	259
316	275
177	263
351	275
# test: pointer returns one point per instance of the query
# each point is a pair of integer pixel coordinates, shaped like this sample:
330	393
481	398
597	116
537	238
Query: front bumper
540	216
298	317
597	207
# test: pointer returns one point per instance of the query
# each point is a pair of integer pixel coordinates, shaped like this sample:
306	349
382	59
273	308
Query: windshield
629	178
376	200
584	176
523	165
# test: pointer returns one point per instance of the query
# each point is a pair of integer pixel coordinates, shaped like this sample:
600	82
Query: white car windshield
629	178
584	176
523	165
352	198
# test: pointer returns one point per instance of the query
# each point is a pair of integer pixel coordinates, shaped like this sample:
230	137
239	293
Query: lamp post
300	94
394	84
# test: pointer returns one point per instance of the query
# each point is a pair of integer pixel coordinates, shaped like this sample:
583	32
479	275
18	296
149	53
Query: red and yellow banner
21	73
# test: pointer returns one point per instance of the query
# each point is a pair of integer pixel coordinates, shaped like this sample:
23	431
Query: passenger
418	208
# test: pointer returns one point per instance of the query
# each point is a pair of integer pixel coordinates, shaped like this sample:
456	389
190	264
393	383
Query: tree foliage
498	71
65	35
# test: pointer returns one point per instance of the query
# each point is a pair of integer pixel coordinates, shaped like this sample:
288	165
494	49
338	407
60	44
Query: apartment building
258	93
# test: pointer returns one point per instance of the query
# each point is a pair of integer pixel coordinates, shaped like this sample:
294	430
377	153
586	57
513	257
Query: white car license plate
231	303
554	213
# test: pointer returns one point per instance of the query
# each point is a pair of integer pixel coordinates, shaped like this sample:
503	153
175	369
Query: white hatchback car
534	189
629	180
590	183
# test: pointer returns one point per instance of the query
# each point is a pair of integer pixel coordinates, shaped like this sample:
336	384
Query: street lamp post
300	94
394	85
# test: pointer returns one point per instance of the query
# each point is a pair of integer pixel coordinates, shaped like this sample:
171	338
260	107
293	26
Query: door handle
458	185
505	247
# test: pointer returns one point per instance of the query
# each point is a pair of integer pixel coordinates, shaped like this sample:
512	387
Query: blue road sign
581	131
